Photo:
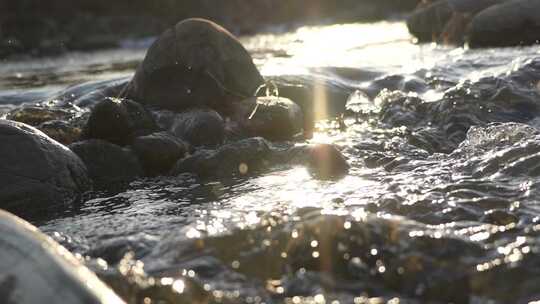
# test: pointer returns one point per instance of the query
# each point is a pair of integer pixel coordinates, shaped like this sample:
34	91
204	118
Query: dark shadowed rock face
428	23
511	23
108	164
481	23
37	172
158	152
118	121
471	6
199	127
196	63
276	118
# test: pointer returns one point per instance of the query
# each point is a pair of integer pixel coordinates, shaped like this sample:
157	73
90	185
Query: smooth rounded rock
108	164
37	172
158	152
275	118
428	23
511	23
36	269
199	127
472	6
118	121
196	63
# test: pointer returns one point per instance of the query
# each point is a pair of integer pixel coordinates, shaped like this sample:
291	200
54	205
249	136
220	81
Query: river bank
37	28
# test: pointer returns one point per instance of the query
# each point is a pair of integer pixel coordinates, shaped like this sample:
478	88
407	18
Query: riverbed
440	204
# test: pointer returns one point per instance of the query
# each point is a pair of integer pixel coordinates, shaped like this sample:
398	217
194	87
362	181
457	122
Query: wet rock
427	23
235	159
395	83
87	94
400	109
158	152
36	269
36	115
61	131
108	164
196	63
446	20
324	161
512	23
275	118
36	171
200	127
317	98
118	121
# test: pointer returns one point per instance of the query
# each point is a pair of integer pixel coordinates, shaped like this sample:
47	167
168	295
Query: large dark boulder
118	121
108	164
196	63
158	152
511	23
37	172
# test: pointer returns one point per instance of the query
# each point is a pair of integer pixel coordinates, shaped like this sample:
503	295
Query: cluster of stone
191	107
479	23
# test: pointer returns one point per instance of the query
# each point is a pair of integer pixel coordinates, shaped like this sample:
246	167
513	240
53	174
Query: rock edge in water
36	269
36	171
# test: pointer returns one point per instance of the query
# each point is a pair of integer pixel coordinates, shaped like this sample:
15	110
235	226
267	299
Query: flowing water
441	203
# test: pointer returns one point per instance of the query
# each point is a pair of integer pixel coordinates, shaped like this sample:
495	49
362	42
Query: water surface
441	203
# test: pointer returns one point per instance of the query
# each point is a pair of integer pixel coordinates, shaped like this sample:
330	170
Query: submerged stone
107	163
158	152
61	131
36	171
200	127
240	158
324	161
118	121
500	217
196	63
36	115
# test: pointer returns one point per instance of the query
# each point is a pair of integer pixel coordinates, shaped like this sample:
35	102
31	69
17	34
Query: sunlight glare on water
440	203
385	46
